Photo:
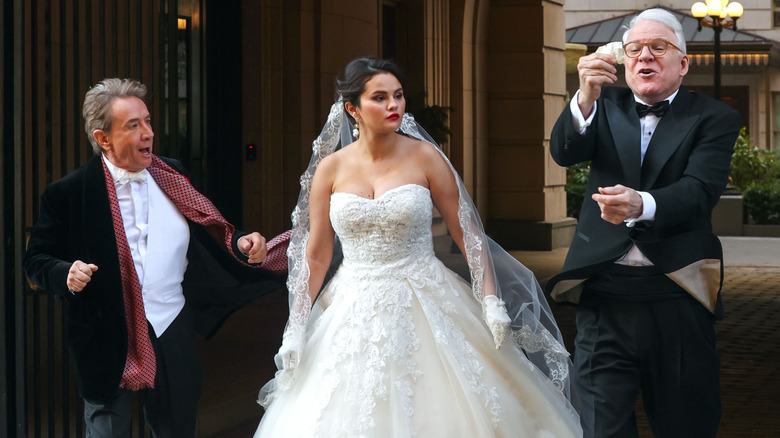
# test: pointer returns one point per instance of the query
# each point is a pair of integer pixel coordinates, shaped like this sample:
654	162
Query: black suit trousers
171	407
662	345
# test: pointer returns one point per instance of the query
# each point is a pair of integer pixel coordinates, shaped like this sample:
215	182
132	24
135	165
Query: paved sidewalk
749	345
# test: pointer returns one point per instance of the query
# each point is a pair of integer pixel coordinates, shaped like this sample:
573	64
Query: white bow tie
124	176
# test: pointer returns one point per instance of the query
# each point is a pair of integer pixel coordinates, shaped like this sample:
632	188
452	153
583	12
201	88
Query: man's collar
119	175
670	98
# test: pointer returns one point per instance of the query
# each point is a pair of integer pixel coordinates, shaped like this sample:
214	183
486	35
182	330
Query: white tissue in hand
615	49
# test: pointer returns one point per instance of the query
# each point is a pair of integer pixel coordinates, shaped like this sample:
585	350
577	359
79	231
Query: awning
738	48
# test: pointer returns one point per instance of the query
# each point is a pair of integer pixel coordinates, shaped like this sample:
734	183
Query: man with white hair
644	265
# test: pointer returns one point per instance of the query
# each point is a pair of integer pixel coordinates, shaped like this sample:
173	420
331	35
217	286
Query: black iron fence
51	51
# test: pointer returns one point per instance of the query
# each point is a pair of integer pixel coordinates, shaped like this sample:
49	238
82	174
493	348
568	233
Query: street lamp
719	12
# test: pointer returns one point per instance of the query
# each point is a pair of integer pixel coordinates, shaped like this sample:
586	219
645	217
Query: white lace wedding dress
401	349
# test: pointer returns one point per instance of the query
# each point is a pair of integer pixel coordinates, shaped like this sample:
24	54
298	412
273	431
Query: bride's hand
289	352
494	312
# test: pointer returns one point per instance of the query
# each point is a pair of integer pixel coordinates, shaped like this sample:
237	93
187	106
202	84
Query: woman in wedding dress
395	344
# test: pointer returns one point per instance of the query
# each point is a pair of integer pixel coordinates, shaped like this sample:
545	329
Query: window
776	126
735	96
776	13
390	29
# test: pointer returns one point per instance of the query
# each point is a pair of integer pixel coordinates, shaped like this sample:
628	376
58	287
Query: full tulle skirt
409	355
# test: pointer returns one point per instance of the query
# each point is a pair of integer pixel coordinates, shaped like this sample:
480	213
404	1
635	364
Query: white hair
662	16
97	104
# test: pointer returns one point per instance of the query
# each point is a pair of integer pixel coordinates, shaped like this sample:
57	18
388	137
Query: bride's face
382	104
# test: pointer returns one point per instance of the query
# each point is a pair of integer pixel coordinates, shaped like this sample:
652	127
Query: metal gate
52	51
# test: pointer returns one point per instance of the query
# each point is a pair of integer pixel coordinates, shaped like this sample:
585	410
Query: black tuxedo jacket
685	169
75	223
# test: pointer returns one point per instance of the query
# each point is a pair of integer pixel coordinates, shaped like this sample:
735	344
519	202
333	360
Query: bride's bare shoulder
337	163
333	160
424	150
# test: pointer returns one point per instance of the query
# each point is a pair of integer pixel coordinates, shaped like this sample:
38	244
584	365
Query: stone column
525	77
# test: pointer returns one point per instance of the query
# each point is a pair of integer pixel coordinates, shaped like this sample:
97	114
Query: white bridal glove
289	353
494	312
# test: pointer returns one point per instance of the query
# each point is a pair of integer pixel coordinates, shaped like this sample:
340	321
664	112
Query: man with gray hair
141	260
644	265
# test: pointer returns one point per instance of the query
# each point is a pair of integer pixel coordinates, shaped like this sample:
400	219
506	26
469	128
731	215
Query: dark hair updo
360	71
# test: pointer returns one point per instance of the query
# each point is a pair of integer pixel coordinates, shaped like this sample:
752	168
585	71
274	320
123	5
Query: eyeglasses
657	47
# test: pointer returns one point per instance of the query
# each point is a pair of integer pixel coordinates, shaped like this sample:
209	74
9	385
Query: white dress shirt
158	236
648	123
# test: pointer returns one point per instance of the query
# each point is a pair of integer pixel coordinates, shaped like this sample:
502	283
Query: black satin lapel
624	125
98	224
668	136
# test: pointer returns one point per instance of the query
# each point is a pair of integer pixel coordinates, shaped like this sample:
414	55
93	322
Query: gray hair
97	104
664	17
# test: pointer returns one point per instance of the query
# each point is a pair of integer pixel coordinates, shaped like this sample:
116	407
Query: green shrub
755	173
751	164
433	118
574	196
576	181
762	201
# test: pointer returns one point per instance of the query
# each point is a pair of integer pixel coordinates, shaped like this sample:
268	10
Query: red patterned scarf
197	208
140	366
